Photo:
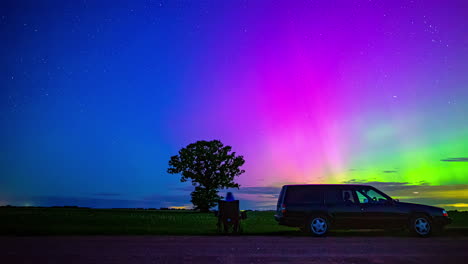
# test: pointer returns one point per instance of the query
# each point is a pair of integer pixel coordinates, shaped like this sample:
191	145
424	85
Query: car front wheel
318	226
421	225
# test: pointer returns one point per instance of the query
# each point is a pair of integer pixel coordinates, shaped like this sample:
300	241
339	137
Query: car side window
348	196
362	199
303	195
333	196
366	195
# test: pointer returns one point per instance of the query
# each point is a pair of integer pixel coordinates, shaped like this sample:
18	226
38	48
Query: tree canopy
210	166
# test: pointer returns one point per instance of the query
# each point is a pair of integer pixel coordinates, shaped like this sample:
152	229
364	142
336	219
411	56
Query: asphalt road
232	249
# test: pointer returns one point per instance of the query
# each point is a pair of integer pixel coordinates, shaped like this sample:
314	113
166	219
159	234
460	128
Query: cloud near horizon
455	159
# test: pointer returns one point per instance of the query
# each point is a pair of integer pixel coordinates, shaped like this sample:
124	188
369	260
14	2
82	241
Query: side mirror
396	200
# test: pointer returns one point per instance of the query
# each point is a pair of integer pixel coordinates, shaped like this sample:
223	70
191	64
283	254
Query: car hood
415	205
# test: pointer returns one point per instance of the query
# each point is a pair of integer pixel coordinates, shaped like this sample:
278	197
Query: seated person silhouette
347	198
230	197
229	214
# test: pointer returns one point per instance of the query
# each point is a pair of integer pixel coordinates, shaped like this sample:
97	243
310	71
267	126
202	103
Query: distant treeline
81	207
139	208
55	206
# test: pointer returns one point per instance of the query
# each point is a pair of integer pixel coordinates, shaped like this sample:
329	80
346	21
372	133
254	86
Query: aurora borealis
97	95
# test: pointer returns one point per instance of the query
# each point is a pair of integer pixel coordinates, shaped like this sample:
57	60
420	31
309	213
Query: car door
343	207
378	210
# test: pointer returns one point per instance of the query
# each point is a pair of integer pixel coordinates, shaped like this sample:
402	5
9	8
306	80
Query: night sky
97	95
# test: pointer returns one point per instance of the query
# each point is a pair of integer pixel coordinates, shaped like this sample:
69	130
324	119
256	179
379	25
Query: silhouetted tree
211	166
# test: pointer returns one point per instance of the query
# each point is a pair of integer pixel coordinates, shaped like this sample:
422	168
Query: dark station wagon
316	208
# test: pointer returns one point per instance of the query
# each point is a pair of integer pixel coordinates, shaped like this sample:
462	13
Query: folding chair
229	216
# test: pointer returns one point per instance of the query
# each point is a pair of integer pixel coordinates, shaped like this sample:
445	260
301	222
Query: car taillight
444	213
283	208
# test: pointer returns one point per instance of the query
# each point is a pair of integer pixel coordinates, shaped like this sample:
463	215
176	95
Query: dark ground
233	249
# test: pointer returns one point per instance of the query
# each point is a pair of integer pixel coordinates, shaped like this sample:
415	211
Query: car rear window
303	195
280	198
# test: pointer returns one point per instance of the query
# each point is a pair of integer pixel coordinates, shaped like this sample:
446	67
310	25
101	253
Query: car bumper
442	220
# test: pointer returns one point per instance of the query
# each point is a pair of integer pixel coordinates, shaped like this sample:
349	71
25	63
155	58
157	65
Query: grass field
72	221
69	221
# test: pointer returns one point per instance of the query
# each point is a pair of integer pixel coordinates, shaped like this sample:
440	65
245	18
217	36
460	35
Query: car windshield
369	195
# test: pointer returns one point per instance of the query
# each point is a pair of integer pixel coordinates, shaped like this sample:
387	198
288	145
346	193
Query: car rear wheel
318	225
421	225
